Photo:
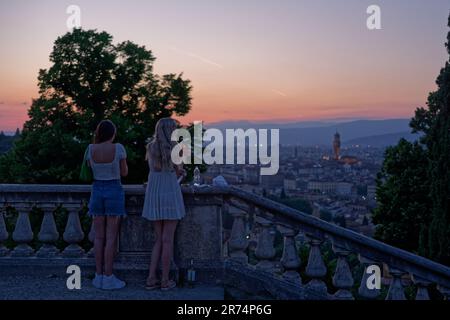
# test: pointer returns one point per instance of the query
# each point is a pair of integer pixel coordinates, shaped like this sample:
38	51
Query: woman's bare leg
156	251
99	243
168	234
112	231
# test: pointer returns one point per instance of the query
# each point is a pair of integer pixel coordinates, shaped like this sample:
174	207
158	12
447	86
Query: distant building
322	186
350	160
331	187
290	183
337	146
272	182
251	175
344	188
371	192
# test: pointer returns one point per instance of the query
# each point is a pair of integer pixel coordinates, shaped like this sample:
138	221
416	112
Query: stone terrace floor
53	287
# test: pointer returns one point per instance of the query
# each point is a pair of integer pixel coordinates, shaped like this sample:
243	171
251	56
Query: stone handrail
253	216
423	272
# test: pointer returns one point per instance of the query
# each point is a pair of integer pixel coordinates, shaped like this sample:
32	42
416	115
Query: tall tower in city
337	145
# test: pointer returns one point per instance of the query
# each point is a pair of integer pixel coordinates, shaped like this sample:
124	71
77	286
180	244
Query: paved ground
54	287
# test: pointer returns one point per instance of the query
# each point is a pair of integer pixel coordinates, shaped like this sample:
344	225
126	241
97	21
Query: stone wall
198	236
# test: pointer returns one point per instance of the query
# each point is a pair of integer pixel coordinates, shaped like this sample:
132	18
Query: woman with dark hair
163	203
108	161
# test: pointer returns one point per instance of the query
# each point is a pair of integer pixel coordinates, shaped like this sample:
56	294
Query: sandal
152	285
168	285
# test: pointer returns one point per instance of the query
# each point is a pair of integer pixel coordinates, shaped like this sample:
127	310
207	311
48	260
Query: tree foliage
90	79
326	215
402	213
414	187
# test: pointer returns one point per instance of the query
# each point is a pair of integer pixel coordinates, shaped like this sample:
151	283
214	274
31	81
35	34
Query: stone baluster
91	237
445	292
48	234
3	235
396	290
316	269
238	242
265	250
73	234
342	279
366	290
23	234
422	288
251	214
290	259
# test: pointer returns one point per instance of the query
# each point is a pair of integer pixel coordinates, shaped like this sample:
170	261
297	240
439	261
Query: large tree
90	79
402	214
422	171
434	122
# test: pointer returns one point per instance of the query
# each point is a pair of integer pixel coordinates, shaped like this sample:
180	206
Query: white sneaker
112	282
98	281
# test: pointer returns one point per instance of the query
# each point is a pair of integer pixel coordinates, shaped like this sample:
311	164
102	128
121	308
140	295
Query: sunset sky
259	60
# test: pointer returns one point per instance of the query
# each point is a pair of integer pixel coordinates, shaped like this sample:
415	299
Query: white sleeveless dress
163	197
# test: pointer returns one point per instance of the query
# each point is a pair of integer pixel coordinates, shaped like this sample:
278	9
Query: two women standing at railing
163	201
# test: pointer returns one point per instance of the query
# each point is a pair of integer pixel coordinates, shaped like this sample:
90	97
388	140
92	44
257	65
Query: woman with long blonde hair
163	204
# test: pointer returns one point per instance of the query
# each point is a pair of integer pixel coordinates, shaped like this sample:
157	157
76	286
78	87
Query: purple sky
249	59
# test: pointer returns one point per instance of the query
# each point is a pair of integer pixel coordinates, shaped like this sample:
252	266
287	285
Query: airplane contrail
198	57
279	93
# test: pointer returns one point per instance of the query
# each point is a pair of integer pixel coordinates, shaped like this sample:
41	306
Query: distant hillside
245	124
321	133
348	131
382	140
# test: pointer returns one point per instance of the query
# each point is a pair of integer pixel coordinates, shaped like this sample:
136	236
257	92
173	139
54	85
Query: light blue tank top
110	170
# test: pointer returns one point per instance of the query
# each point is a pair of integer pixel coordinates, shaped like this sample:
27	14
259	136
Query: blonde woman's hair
160	146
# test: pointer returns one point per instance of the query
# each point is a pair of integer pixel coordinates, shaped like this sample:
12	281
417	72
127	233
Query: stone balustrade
404	268
198	237
260	258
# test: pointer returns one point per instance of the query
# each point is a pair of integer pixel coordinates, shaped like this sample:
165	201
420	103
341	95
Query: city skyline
306	60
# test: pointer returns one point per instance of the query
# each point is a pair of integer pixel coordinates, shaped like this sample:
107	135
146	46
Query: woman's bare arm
179	170
123	167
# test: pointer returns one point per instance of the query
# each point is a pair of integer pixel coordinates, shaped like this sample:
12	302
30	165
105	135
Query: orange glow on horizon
249	60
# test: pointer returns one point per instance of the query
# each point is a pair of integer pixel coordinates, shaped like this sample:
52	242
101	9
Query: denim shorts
107	198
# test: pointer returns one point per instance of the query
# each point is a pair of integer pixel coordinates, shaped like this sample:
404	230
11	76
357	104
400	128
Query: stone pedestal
73	235
238	241
265	250
23	235
48	235
316	268
3	235
290	258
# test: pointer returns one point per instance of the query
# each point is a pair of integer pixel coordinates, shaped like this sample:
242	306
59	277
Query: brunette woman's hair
105	131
